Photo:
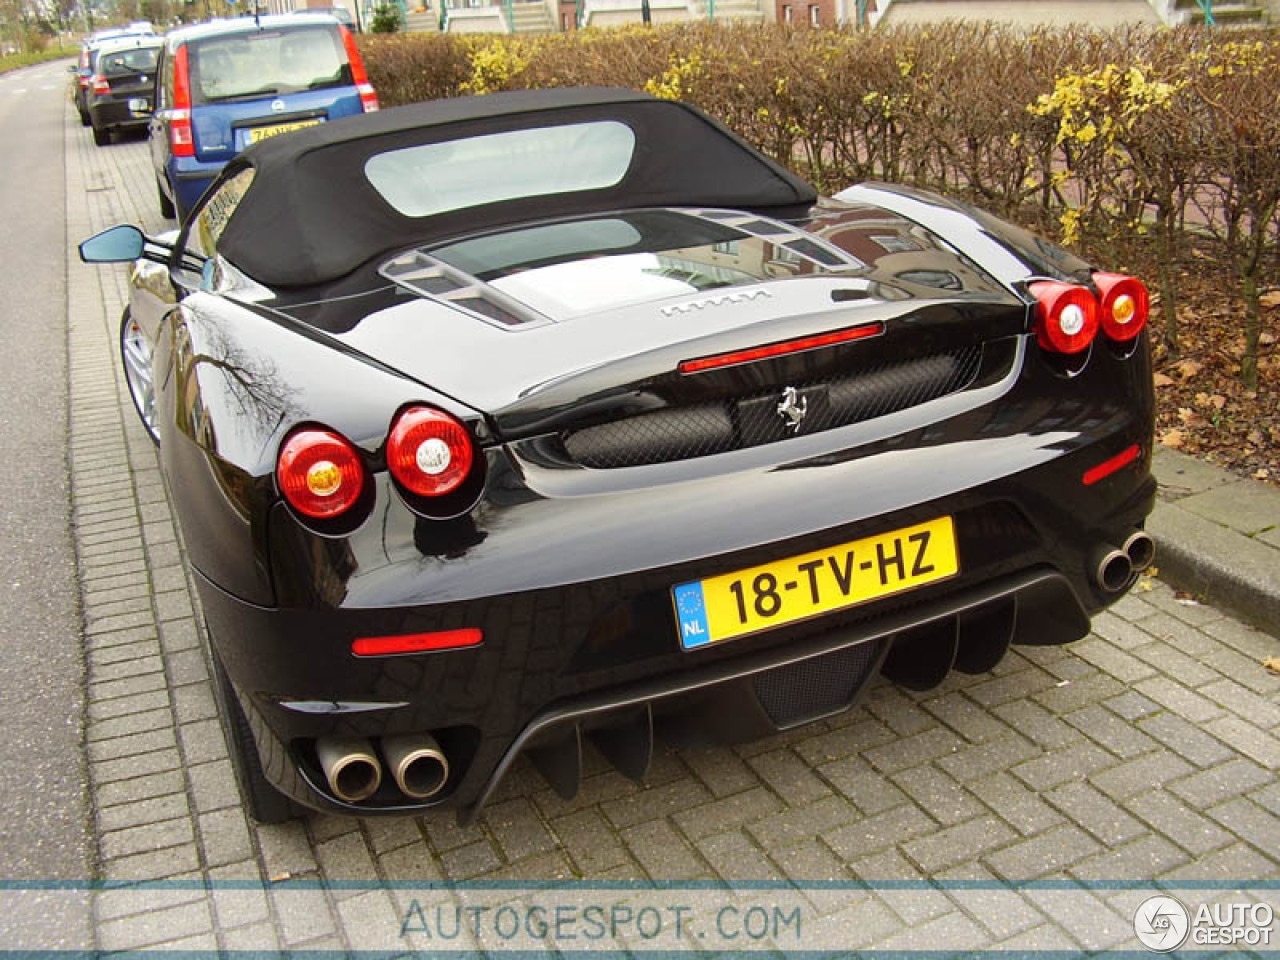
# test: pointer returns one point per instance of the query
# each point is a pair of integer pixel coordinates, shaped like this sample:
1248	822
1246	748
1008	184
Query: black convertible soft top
311	215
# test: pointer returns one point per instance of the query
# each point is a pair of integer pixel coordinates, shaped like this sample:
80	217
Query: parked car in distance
227	84
121	85
504	423
83	67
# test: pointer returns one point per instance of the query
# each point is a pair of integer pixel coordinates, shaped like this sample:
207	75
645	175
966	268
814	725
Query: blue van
223	85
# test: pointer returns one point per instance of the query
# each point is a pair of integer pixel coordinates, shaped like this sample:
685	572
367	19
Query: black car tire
166	205
101	137
85	119
263	802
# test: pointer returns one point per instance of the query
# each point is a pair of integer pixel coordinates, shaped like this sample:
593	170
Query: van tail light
100	86
320	473
1066	316
1125	305
181	137
429	452
368	97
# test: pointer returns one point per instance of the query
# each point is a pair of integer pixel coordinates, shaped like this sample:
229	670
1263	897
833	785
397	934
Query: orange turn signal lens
1125	305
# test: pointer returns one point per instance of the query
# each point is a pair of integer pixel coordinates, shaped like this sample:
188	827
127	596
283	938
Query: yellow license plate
257	134
785	591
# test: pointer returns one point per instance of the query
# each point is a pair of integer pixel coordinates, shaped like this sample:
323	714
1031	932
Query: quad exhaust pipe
417	764
350	766
353	769
1113	567
1140	549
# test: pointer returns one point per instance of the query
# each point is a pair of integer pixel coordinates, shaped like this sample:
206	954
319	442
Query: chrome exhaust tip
1140	549
1111	569
417	764
350	766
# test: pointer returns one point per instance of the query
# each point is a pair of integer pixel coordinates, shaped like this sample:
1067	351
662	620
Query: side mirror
73	69
120	244
140	106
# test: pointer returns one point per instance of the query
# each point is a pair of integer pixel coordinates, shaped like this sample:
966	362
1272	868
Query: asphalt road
44	819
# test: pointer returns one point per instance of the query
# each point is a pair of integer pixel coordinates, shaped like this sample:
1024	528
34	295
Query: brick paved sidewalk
1149	750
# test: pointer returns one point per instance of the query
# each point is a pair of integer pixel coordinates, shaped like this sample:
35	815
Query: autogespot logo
1161	923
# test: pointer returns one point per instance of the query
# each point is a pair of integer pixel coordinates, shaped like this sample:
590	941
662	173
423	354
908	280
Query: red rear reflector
1125	305
781	349
1107	467
1066	316
416	642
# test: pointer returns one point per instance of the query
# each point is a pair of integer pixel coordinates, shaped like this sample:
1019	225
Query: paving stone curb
1218	537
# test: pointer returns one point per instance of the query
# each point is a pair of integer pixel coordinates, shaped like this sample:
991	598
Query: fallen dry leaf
1160	380
1261	473
1187	369
1215	400
1171	439
280	877
1190	418
1271	299
1272	665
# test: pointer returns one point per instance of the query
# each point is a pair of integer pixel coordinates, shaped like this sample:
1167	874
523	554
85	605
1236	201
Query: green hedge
1125	143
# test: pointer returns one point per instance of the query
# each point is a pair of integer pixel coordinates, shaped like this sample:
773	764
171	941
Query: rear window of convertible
436	178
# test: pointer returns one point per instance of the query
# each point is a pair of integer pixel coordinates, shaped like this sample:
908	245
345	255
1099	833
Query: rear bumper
116	115
569	574
601	659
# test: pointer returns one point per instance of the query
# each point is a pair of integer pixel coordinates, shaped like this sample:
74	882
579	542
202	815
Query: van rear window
267	63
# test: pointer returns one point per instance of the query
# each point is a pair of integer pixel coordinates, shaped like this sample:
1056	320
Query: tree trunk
1252	333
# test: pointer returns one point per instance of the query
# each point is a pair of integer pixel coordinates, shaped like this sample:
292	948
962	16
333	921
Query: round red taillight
429	452
1125	305
1066	316
319	473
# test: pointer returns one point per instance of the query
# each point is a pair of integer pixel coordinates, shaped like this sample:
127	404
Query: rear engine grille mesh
683	433
817	687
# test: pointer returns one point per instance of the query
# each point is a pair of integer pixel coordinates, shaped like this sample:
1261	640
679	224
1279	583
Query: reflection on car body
491	454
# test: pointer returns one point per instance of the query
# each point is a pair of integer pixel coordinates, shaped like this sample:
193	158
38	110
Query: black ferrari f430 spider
501	423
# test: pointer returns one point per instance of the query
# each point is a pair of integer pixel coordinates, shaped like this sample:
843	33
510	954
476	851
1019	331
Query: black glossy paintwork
568	570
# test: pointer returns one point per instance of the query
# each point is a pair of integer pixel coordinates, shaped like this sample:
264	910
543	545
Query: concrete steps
427	22
745	11
530	18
